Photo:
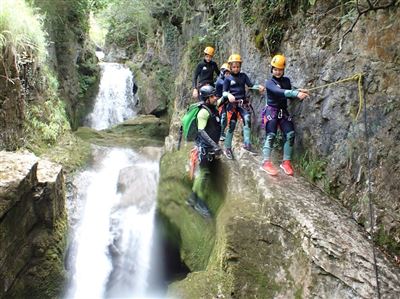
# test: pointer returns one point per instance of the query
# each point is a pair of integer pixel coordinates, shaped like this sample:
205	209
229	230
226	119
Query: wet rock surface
280	237
32	226
143	130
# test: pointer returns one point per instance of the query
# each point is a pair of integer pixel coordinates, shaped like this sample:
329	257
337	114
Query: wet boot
198	205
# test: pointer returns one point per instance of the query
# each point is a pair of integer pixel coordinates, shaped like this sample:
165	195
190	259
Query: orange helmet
278	61
209	51
235	58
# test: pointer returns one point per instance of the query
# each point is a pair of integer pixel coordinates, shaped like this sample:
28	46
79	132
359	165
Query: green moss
194	233
203	284
140	131
386	240
299	293
45	276
259	41
71	152
270	19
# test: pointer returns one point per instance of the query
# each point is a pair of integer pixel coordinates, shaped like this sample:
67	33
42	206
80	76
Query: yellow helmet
225	67
209	51
235	58
278	61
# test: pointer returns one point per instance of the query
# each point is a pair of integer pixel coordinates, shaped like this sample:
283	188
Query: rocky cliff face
269	238
11	105
282	238
72	55
32	227
329	135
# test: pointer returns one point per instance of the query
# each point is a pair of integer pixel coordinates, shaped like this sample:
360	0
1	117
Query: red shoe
287	167
269	168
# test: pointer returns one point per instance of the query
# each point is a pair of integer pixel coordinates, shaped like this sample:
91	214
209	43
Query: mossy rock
192	233
144	130
45	276
71	152
210	284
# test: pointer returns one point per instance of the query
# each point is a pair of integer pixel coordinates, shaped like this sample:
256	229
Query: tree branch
372	7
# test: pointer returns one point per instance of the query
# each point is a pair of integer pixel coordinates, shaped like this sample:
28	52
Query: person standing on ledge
204	72
275	114
209	132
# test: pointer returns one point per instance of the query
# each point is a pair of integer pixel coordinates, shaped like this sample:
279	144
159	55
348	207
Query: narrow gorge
93	186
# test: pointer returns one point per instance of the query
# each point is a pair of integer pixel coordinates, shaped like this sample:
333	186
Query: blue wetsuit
235	84
276	115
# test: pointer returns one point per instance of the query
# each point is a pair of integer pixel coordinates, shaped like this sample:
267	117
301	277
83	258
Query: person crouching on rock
209	132
275	114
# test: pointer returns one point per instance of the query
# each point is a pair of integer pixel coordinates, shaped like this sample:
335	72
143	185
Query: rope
371	218
361	105
358	77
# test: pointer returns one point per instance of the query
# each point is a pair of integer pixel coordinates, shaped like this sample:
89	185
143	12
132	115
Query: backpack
189	120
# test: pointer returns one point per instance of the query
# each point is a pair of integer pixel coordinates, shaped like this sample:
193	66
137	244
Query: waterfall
113	210
115	101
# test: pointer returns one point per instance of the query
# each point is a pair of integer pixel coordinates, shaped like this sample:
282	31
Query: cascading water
115	101
112	213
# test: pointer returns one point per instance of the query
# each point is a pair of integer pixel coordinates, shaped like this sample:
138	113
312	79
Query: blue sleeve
274	89
218	88
226	84
247	81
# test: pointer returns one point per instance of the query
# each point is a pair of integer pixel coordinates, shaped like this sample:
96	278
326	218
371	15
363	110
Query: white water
114	210
115	101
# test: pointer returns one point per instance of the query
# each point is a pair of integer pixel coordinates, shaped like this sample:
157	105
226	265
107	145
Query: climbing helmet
278	61
206	92
235	58
209	51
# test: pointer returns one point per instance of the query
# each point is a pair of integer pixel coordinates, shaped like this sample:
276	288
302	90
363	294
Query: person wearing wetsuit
234	89
209	131
219	86
204	72
275	114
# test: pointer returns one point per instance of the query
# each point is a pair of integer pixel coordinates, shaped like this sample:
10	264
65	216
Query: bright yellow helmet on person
278	61
235	58
209	51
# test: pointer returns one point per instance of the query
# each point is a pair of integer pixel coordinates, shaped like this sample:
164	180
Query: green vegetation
193	234
387	240
67	22
23	34
129	22
25	40
46	119
312	168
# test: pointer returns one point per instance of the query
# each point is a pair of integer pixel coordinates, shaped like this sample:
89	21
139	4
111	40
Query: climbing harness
270	113
358	77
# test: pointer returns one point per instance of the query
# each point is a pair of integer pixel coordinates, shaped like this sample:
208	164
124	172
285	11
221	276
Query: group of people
225	103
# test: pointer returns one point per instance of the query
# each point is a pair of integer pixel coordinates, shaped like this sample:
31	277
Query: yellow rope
357	77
